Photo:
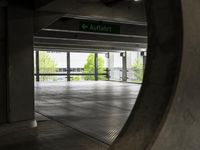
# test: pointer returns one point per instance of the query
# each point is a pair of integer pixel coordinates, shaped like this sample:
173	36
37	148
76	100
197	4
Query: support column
124	67
20	64
37	58
3	90
111	65
68	67
108	69
96	66
144	62
144	56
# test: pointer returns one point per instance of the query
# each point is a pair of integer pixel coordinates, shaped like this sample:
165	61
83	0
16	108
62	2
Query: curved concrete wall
166	115
181	130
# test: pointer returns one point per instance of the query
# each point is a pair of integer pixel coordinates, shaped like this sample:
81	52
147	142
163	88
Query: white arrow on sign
84	26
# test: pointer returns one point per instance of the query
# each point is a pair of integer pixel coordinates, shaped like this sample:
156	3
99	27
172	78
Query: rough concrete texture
163	61
20	64
181	130
176	125
2	66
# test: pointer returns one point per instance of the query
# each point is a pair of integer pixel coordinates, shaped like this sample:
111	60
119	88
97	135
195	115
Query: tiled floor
75	116
50	135
96	109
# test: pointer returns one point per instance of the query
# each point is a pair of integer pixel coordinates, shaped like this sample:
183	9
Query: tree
47	65
89	67
138	70
76	78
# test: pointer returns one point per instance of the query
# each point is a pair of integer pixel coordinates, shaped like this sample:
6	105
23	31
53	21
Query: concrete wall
3	105
160	83
181	129
166	115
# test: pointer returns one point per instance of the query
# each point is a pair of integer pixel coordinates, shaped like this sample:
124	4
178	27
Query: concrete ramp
167	113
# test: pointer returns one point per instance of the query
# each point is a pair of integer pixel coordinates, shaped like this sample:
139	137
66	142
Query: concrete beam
73	25
65	43
106	48
88	36
60	41
65	49
43	19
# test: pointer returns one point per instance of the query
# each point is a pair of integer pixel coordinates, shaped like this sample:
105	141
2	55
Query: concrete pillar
108	68
96	66
124	67
3	103
20	64
129	59
37	61
68	67
144	55
111	65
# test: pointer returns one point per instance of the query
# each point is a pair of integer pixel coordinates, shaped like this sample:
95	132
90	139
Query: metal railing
70	74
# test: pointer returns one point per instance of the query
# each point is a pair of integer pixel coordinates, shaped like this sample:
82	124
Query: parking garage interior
90	86
106	107
87	73
95	103
97	76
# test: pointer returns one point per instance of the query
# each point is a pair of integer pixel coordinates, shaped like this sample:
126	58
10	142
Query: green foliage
89	67
76	78
47	65
138	70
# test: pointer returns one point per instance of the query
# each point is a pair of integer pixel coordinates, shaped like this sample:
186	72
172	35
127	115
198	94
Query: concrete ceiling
60	19
124	10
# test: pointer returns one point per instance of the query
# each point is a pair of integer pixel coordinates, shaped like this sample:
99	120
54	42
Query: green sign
99	27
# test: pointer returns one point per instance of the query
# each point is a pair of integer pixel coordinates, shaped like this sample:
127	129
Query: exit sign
99	27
